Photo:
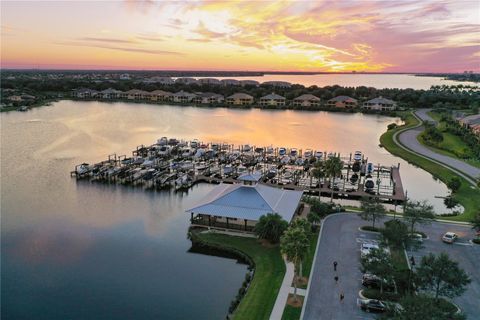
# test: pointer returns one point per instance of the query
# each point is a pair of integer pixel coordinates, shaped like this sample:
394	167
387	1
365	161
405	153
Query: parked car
367	247
449	237
416	237
372	305
373	281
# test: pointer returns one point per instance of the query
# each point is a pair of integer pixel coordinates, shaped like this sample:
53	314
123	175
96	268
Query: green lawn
452	145
269	272
291	313
468	197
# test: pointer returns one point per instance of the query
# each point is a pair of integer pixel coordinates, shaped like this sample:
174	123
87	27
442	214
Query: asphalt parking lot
340	241
467	255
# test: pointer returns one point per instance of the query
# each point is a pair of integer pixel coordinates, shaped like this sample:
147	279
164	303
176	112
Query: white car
449	237
367	248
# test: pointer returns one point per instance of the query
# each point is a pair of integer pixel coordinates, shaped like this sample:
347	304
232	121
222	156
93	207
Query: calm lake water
379	81
91	251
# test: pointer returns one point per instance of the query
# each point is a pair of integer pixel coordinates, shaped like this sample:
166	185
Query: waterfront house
209	81
252	83
343	102
136	94
380	103
278	84
208	98
240	206
186	80
109	94
84	93
272	100
230	82
239	99
183	97
306	100
160	95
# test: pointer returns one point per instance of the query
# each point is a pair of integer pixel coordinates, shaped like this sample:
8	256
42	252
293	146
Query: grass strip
467	196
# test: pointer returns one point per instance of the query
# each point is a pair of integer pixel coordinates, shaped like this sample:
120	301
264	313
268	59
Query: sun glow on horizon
253	35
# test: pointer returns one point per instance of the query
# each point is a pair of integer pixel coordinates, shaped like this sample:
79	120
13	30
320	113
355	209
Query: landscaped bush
370	228
476	240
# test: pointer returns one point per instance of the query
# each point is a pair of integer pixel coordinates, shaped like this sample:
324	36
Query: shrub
391	126
370	228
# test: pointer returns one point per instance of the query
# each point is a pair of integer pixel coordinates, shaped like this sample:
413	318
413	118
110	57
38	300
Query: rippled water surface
84	251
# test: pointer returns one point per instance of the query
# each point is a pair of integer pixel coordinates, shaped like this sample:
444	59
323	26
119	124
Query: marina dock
179	164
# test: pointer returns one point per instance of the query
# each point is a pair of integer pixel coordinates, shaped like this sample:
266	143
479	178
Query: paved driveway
467	255
409	139
340	241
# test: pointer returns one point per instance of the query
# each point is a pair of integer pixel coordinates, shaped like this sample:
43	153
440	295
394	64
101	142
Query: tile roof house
272	100
342	102
238	99
306	100
380	103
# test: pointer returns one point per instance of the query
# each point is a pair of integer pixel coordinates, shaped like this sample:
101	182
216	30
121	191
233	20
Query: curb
302	314
470	179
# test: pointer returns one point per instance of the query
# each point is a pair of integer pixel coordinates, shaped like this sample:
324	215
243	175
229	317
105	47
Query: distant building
380	103
109	94
84	93
160	95
272	100
160	80
125	76
306	100
209	81
343	102
136	94
183	97
15	98
186	80
208	98
252	83
239	99
230	82
472	122
278	84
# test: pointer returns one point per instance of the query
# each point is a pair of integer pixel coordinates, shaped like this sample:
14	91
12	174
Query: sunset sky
389	36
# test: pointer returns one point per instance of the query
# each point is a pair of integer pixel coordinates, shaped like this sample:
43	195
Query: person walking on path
342	296
336	279
335	265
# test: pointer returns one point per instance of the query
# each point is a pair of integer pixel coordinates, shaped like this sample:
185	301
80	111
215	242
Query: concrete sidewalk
282	296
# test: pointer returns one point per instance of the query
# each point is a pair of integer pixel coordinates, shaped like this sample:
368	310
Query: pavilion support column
245	224
191	217
227	224
209	221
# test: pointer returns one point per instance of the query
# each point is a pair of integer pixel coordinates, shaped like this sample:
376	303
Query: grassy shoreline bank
467	196
262	293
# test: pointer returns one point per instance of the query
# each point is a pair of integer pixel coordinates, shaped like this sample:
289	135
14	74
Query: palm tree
271	227
294	244
333	169
318	172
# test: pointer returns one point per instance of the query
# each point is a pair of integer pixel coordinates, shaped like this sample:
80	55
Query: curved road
408	139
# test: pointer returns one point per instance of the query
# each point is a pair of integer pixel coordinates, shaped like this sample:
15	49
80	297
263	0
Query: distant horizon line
263	72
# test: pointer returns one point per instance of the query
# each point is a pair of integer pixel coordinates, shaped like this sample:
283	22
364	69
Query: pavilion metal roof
249	202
